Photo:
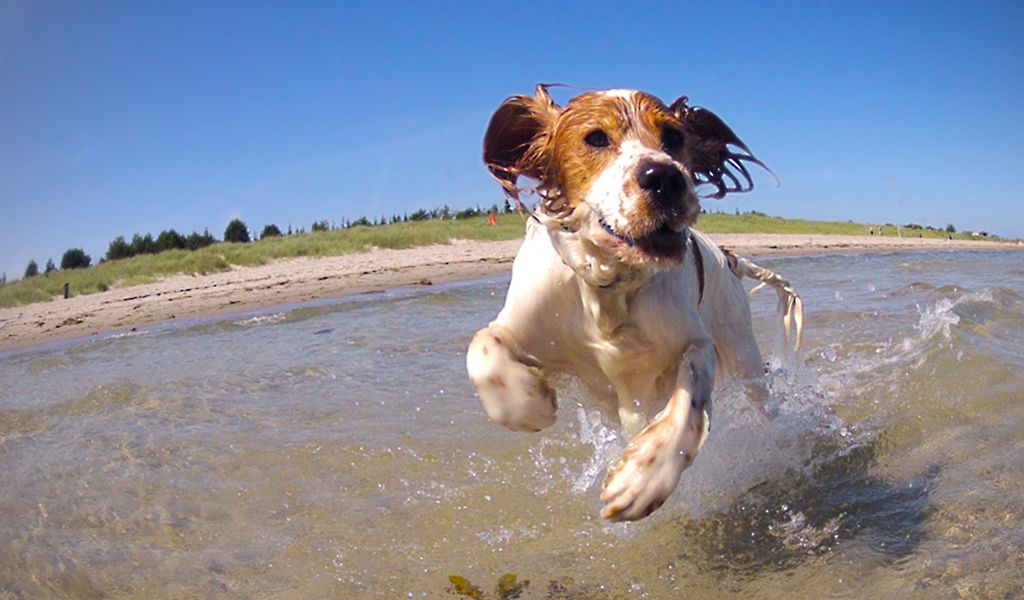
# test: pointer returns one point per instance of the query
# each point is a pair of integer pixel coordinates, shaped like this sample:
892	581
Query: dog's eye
672	138
597	139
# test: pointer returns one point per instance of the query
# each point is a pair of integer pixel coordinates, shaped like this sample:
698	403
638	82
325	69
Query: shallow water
338	450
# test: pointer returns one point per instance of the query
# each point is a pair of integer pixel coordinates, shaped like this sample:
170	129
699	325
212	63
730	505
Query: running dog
613	286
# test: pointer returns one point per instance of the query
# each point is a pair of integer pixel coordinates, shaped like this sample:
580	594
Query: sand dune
249	288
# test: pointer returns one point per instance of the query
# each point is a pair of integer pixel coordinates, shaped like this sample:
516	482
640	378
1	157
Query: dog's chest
618	337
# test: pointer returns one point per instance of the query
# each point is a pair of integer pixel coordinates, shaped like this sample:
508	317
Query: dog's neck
607	284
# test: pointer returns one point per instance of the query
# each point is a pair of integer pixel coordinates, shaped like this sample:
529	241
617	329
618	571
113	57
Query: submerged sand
245	289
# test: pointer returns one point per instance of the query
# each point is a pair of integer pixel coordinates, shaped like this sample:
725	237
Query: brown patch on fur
715	154
733	260
572	164
515	137
498	381
534	137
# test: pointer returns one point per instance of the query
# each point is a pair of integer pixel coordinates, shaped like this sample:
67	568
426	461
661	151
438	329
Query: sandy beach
250	288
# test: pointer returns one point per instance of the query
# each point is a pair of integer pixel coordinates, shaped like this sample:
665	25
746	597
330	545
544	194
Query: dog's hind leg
728	321
511	388
740	356
791	307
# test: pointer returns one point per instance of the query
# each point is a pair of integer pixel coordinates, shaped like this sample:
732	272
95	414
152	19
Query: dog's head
618	167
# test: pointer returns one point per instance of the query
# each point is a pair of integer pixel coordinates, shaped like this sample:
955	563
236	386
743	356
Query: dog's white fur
644	339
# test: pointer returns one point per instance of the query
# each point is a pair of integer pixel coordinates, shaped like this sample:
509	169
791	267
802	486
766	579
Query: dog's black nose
663	181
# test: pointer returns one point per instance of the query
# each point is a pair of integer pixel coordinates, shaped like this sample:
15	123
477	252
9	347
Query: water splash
261	320
606	442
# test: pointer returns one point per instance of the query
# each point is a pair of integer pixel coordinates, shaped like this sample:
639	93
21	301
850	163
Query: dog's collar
698	261
588	265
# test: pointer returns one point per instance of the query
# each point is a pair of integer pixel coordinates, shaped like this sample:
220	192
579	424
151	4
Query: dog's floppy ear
515	139
716	154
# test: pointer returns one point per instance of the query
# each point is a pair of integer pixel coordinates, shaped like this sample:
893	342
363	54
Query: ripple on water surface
337	449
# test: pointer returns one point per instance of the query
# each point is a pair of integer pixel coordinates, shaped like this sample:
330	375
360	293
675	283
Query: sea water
336	449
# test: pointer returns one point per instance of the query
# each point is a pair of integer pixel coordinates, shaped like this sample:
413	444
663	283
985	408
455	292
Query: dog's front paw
518	398
648	470
513	394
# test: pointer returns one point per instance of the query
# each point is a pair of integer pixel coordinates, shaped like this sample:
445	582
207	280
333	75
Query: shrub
236	231
32	269
321	226
270	231
75	258
50	267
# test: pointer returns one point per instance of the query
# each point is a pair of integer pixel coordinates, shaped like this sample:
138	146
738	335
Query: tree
270	231
469	213
170	240
950	228
119	248
195	241
143	244
32	269
50	267
75	258
322	225
236	231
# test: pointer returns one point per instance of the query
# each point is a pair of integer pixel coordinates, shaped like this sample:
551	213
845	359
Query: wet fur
641	325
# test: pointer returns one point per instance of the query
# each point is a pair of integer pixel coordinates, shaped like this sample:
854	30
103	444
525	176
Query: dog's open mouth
663	243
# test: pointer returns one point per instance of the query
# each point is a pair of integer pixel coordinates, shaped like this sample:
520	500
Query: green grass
759	223
220	257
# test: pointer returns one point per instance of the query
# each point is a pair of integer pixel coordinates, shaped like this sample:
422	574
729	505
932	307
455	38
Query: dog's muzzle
663	182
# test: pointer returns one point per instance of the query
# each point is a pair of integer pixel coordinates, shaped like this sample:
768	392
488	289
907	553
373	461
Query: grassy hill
220	257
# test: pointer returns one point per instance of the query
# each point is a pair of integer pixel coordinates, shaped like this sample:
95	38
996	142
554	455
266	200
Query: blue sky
125	117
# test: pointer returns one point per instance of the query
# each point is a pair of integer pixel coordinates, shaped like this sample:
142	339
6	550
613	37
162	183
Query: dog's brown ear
514	142
716	154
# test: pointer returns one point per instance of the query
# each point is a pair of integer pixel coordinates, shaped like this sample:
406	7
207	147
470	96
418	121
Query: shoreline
245	289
